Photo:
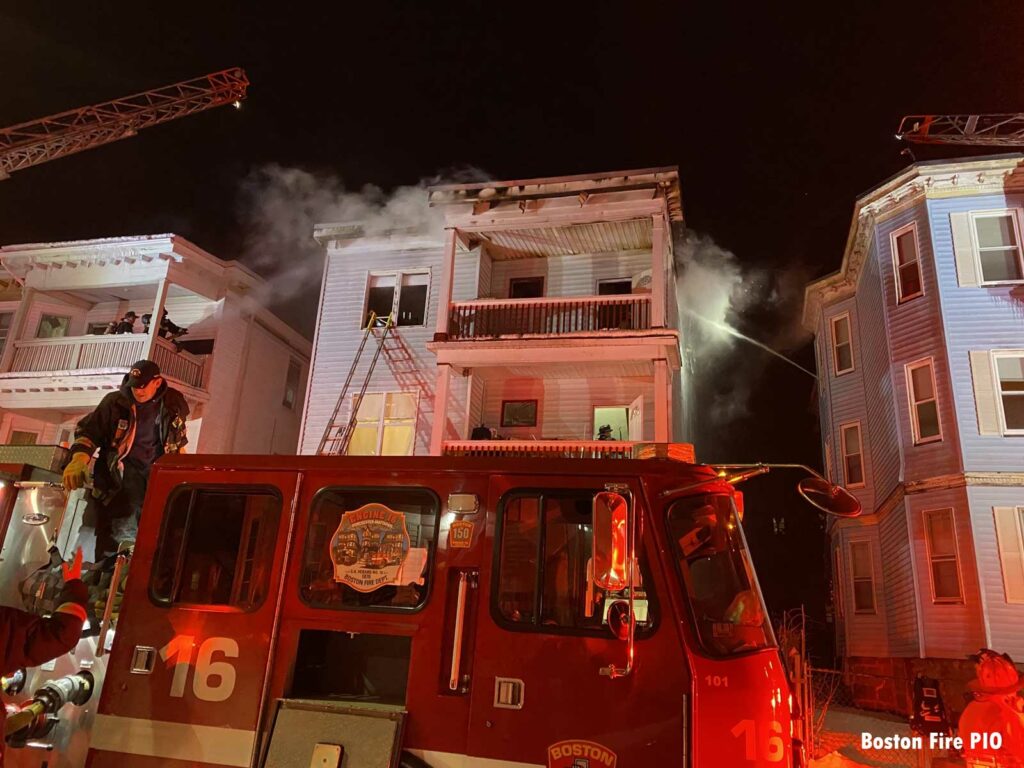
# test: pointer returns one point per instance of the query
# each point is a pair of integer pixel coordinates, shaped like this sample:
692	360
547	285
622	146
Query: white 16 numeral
182	646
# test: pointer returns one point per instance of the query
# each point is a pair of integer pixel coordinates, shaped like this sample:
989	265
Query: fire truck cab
441	612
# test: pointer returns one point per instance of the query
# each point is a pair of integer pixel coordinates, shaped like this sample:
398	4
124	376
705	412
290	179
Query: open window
216	547
403	294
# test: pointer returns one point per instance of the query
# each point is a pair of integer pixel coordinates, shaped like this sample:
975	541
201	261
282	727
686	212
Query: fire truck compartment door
537	685
202	593
369	737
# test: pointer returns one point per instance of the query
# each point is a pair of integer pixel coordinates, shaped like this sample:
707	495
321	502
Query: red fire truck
427	611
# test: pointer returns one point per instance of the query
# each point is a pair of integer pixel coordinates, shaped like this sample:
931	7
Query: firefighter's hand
74	570
76	473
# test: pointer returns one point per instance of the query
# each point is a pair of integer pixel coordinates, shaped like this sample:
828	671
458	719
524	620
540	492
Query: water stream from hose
733	332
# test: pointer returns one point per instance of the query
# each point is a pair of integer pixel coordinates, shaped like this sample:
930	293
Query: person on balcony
127	323
131	428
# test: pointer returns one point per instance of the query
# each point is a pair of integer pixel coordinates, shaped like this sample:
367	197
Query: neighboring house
542	309
242	370
920	350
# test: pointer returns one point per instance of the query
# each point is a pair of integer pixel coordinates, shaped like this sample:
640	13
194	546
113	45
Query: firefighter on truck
558	614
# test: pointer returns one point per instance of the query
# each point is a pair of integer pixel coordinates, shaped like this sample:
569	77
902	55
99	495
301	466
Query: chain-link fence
837	722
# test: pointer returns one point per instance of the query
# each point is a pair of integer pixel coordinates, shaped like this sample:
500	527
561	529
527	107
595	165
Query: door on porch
626	421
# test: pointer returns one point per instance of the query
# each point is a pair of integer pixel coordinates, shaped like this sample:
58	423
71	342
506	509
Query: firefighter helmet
994	674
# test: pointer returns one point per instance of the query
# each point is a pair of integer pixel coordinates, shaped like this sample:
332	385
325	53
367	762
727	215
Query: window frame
526	279
873	611
295	365
1014	214
893	238
38	433
925	515
915	426
262	489
432	553
396	296
838	591
994	356
646	574
43	316
835	345
611	280
380	420
1019	526
860	447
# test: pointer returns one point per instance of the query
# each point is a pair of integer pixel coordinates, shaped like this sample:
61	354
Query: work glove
76	473
73	570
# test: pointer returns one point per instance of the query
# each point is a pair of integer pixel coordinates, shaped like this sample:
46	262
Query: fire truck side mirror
828	497
610	524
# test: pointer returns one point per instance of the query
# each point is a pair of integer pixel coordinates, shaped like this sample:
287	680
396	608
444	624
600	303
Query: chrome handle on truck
460	625
108	609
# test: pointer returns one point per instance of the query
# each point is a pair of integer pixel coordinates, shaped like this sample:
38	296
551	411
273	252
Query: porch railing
575	449
119	351
72	353
180	366
488	318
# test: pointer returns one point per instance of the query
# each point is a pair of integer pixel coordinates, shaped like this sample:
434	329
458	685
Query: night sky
776	116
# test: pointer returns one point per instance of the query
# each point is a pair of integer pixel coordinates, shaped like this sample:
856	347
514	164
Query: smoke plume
281	206
720	301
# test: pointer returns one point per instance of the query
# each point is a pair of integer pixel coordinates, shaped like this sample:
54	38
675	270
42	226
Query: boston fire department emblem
575	753
369	548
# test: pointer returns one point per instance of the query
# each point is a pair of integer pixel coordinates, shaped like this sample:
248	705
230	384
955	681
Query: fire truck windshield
713	560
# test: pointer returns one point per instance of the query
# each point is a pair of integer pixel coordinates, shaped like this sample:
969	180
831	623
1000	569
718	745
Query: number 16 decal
772	748
182	647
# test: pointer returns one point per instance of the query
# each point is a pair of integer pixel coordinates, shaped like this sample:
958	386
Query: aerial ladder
338	433
1006	130
38	141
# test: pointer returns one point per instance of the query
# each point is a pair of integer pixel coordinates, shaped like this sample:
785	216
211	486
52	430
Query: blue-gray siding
951	630
1004	621
898	583
976	318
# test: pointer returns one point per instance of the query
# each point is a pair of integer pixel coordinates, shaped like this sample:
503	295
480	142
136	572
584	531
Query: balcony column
444	379
17	330
447	278
662	402
658	267
154	322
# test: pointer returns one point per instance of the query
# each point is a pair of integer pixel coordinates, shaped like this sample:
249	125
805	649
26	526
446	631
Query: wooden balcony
570	449
550	316
71	354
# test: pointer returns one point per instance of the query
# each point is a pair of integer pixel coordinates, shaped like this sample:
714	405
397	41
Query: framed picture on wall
519	413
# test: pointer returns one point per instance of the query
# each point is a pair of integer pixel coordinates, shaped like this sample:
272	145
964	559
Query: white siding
264	424
225	380
575	275
405	365
566	406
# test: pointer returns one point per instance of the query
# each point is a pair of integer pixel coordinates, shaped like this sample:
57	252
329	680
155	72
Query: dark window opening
380	298
614	287
380	564
291	384
526	287
352	667
197	346
216	548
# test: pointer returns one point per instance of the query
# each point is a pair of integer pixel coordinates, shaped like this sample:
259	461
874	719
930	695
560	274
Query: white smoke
281	206
717	297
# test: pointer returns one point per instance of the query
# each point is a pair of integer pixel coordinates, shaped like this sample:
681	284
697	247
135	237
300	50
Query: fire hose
38	716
